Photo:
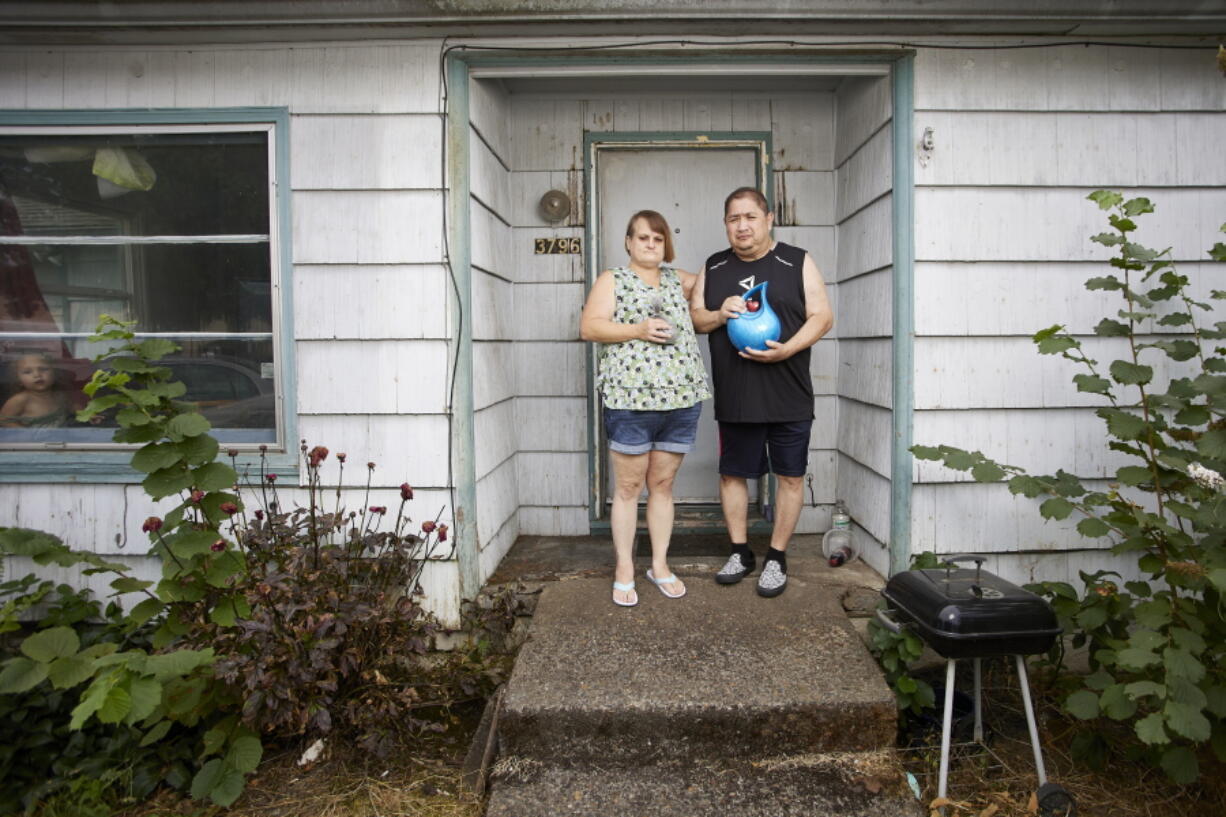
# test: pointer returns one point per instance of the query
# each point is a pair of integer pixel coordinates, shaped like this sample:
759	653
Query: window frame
108	462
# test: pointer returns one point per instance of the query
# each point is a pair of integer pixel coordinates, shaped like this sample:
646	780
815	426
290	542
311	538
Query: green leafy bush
40	756
895	652
1157	644
281	622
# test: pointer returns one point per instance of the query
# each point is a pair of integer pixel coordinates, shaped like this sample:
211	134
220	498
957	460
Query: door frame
460	66
593	144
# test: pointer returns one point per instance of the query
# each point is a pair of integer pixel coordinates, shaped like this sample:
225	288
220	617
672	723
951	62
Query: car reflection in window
228	393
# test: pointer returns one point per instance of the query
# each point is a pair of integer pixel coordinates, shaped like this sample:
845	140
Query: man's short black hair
747	192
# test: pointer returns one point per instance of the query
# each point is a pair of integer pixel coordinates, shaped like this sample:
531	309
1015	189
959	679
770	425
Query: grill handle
887	621
966	557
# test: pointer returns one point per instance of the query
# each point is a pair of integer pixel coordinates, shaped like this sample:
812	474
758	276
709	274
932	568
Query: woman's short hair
657	224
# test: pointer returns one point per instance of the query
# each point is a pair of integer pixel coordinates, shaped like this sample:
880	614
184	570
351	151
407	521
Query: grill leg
978	705
1024	682
947	726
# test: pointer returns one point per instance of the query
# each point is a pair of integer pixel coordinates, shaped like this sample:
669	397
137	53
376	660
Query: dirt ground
421	780
999	779
993	781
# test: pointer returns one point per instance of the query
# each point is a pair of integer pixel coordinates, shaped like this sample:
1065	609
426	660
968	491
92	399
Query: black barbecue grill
965	613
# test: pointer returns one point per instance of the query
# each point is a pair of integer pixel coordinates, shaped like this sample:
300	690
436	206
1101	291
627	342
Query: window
174	226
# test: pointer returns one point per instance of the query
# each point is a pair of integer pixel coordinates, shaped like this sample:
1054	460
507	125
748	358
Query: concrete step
865	784
719	673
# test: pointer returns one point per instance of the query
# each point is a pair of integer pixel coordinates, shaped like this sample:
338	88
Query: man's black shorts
749	450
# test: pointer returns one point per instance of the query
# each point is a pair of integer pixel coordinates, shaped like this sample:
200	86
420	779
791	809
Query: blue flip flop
669	579
625	587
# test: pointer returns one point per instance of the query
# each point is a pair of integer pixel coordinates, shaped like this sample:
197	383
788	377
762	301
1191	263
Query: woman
652	383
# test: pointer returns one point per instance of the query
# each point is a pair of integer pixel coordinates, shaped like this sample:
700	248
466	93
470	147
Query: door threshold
694	519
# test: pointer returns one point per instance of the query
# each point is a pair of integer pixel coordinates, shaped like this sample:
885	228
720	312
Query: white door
687	186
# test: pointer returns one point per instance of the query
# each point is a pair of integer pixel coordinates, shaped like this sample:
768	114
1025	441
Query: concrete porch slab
719	671
862	784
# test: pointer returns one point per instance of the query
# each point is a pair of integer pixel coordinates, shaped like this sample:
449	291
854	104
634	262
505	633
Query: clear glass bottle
838	544
657	311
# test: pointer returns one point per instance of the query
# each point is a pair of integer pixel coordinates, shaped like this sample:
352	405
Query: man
763	399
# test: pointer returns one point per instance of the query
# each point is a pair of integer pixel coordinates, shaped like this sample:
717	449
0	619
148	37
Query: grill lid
962	603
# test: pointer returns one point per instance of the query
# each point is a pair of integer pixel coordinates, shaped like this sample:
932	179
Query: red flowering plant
336	634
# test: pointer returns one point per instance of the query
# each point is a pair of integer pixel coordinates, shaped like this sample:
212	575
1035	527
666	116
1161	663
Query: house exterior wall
864	201
367	202
1002	250
1000	231
550	361
493	279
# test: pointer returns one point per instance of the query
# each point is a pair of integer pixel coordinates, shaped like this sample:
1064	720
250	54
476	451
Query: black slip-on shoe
735	569
773	580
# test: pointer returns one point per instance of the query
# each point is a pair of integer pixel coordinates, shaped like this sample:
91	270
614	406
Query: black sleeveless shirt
747	391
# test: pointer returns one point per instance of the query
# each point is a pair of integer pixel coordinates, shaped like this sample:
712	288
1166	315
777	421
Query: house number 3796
557	246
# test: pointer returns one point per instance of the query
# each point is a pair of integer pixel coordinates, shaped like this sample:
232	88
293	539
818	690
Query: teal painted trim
463	419
591	245
551	59
85	466
112	467
904	314
288	371
662	140
691	138
145	116
702	519
694	140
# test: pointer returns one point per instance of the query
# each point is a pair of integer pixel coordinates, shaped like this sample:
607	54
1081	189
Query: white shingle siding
1002	250
863	314
366	169
1001	236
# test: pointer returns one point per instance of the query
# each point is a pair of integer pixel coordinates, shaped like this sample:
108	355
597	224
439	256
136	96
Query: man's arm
704	319
819	318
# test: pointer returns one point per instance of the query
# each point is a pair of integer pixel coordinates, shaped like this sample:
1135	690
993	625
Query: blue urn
756	326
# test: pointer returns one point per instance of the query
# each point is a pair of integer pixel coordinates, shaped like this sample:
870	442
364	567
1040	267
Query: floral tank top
646	376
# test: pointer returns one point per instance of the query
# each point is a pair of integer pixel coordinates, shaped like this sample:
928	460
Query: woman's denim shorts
636	432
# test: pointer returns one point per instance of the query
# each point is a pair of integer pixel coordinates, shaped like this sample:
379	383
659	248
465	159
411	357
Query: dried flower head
1205	477
442	533
370	465
263	449
378	509
196	496
228	508
341	456
231	452
218	546
406	491
152	525
427	526
259	514
270	477
318	454
1191	569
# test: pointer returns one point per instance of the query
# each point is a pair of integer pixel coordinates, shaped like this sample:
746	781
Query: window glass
170	229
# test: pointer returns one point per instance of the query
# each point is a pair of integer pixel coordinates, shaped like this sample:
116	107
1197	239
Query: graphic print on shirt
748	391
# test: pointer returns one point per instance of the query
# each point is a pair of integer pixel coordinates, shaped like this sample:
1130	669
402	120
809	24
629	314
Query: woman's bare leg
661	472
629	471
